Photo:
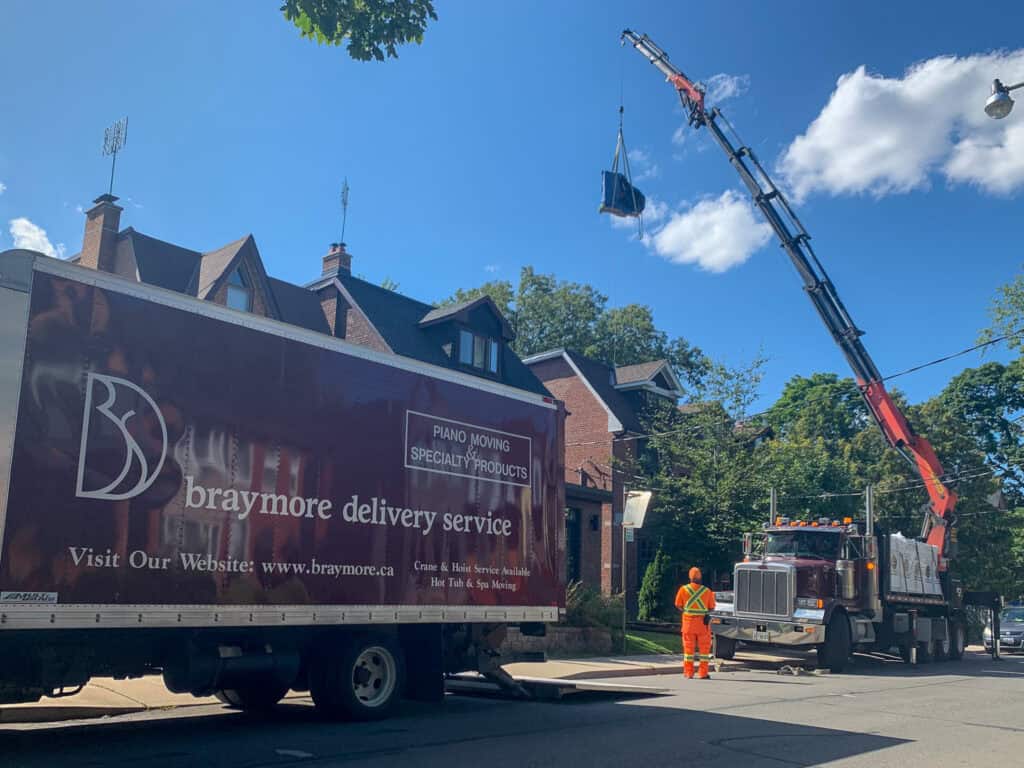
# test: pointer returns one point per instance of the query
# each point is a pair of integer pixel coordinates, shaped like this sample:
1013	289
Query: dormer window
479	352
239	293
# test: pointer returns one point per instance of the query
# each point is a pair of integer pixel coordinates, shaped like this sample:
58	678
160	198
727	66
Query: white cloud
3	187
722	86
642	165
33	237
716	234
492	268
882	135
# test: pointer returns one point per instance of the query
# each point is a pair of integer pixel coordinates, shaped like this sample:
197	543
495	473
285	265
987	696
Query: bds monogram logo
110	433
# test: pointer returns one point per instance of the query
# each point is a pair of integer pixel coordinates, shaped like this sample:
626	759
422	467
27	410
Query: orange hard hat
695	573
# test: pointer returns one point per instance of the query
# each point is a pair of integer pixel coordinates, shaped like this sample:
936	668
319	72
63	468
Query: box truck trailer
248	507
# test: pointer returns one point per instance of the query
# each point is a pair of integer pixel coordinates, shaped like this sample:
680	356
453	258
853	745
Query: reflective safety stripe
688	656
695	604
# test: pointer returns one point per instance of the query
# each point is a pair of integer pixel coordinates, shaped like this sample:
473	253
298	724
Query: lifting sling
619	197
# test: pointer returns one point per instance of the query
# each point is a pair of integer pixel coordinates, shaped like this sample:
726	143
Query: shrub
586	607
655	590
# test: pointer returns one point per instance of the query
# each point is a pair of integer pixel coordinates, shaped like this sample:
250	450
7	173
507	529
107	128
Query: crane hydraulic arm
938	528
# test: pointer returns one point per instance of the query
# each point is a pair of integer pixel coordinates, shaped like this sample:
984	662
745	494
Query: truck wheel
725	648
956	640
361	680
255	697
834	655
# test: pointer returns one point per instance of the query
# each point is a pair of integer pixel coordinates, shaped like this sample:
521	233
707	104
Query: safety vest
695	605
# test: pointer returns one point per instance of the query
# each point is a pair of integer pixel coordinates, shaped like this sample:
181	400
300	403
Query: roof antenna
344	208
114	139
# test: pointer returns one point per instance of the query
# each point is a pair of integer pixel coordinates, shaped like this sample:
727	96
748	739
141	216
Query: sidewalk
599	667
106	697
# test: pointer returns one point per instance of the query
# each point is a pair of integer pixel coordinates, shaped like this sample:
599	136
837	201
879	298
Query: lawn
640	642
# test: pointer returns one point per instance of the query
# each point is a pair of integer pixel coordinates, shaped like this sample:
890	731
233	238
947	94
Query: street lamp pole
999	104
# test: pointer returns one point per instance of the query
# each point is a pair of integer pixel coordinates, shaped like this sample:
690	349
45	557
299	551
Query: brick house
601	431
472	337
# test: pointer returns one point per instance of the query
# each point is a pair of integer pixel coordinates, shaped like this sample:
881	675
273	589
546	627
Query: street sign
629	535
636	508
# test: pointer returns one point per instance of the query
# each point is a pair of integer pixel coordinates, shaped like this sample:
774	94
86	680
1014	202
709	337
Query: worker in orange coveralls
695	601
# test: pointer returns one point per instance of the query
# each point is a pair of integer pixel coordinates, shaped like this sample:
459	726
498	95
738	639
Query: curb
46	714
613	673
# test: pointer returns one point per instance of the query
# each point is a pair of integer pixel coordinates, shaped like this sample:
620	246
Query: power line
692	428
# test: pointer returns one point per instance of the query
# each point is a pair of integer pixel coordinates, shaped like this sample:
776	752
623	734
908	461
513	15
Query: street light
999	103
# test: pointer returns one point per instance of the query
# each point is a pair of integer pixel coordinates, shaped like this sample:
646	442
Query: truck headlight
810	602
987	634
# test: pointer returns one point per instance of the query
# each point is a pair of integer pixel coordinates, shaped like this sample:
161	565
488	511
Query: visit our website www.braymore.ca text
87	557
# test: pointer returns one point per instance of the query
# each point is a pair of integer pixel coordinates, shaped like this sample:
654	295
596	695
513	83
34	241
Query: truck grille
765	592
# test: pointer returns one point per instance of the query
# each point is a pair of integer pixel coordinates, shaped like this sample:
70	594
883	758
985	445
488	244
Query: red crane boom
938	528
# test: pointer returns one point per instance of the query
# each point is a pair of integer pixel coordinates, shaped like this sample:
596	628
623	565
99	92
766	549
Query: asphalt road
882	714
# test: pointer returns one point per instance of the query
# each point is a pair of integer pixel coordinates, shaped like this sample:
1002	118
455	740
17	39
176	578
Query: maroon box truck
248	507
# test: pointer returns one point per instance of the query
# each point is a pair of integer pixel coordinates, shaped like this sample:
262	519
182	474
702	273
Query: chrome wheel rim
374	676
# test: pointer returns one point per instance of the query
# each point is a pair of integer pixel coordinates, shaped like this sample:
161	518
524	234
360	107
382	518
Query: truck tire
255	697
957	640
834	655
725	648
362	679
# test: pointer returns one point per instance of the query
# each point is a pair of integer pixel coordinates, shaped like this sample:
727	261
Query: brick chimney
338	261
102	223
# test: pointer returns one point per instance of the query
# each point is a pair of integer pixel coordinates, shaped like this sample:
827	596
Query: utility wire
825	396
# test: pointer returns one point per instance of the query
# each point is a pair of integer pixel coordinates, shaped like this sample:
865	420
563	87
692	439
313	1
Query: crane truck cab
837	586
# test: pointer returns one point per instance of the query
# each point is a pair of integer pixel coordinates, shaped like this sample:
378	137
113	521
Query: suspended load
618	195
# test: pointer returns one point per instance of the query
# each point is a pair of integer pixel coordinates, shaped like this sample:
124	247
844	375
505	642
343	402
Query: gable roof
598	378
645	375
215	263
628	374
216	266
462	309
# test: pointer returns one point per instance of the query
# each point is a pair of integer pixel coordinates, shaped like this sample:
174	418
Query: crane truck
835	585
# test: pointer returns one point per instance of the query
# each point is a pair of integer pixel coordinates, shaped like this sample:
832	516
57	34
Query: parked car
1011	631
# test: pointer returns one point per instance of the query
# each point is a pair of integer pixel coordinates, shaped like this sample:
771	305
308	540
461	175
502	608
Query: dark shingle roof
161	263
440	314
298	306
397	318
599	377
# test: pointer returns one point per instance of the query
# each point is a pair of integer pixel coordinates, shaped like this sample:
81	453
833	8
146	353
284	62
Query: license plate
761	637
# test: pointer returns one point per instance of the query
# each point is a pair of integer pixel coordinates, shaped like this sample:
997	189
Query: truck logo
134	455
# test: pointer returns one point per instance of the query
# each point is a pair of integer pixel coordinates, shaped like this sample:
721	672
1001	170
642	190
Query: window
492	357
478	351
239	295
465	347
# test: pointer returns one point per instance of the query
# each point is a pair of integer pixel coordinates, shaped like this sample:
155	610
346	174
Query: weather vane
114	139
344	208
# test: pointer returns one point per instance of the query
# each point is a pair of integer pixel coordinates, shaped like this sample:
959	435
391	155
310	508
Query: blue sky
480	151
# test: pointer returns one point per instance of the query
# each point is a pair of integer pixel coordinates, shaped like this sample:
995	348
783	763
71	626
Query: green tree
655	598
373	28
698	461
1007	313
